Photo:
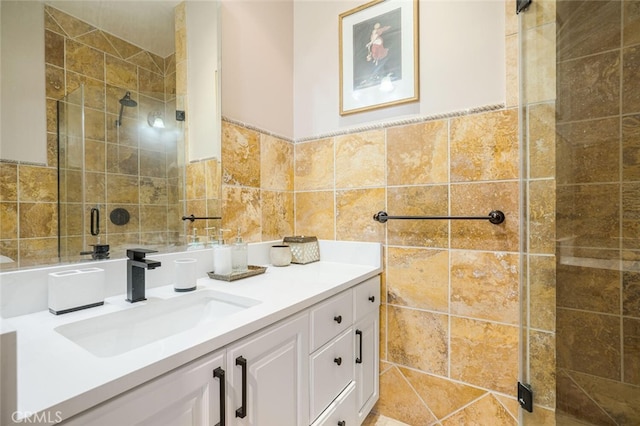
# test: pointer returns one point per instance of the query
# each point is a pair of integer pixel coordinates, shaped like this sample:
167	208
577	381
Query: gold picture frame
378	55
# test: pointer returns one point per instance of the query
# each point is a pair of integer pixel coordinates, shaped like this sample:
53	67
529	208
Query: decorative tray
253	270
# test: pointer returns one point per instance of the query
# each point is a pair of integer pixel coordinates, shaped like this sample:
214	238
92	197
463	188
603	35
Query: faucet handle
139	253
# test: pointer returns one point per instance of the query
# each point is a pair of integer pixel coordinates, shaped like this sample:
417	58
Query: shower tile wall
126	166
598	341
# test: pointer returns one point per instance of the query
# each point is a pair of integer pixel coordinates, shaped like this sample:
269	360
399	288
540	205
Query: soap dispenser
239	255
211	237
194	241
222	255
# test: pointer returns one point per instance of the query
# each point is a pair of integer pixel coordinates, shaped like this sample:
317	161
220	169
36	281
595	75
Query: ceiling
146	23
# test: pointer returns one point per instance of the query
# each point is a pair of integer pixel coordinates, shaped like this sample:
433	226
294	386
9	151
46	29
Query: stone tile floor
378	420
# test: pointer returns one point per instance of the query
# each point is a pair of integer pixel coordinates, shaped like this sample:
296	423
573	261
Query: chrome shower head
126	101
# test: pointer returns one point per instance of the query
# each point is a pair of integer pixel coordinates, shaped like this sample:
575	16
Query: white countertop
59	378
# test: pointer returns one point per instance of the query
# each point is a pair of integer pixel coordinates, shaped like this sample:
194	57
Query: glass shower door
598	207
591	352
71	170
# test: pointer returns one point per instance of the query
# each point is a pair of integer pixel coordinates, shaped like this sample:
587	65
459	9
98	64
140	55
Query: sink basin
119	332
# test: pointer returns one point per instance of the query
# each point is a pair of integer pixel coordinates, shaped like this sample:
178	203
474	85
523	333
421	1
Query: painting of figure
378	54
377	50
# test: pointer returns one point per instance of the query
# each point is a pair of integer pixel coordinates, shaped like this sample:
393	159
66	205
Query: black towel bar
495	216
192	218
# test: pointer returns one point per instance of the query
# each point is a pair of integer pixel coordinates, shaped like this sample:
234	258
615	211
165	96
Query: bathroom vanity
297	345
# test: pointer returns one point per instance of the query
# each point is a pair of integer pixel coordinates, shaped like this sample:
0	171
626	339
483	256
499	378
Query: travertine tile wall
129	166
257	183
598	297
450	314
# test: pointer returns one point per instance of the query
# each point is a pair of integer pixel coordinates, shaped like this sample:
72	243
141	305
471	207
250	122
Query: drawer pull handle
242	411
372	299
338	319
359	358
218	373
342	423
338	360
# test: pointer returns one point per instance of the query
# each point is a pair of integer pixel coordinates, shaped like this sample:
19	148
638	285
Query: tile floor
378	420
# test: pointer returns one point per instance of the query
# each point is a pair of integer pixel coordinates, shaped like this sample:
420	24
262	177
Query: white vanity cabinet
188	396
318	367
262	379
267	375
344	356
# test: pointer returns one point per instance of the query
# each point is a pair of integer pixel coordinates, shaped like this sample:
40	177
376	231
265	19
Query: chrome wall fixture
495	216
155	119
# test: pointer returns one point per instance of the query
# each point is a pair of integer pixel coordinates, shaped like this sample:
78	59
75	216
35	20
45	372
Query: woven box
303	249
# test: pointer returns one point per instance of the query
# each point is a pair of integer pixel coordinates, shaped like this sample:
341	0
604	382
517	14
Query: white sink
119	332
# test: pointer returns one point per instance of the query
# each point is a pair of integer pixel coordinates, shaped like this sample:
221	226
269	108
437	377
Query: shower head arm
119	120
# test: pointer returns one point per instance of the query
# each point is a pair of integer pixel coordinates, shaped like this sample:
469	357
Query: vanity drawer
367	297
330	318
340	410
332	369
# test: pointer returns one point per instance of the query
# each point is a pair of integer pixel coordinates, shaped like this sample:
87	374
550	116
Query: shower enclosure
120	180
580	103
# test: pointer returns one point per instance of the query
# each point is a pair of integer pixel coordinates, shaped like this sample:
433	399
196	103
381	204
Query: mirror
137	180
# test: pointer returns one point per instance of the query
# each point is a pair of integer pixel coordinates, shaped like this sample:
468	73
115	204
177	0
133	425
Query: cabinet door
366	363
188	396
268	376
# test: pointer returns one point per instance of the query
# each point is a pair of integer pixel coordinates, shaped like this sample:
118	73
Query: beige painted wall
257	64
280	63
23	79
461	49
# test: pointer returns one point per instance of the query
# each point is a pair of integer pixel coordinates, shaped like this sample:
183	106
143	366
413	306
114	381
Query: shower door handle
95	221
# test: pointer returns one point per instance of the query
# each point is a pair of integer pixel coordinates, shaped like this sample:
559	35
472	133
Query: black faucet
99	252
136	264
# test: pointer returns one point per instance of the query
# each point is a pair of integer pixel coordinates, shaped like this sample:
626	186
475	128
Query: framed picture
378	55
